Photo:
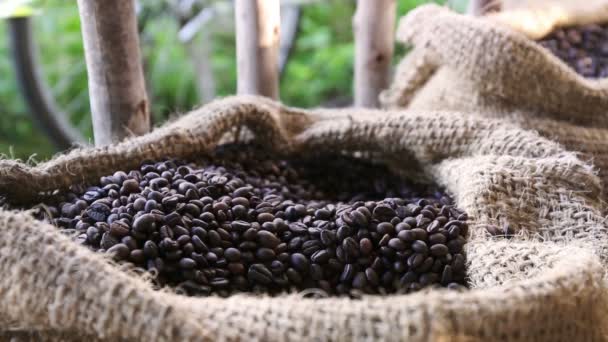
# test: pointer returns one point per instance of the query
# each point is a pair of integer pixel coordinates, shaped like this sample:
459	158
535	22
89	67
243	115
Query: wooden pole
481	7
257	46
117	90
374	25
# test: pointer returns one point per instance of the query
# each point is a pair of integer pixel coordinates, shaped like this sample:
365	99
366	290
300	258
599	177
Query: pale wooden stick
117	91
374	25
257	46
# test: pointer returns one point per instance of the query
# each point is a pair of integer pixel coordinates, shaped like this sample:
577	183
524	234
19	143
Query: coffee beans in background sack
583	48
247	220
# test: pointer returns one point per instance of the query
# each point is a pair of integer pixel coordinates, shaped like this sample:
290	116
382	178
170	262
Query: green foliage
320	68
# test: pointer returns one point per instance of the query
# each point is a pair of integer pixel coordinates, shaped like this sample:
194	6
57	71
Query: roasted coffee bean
372	276
93	235
268	239
397	244
232	254
107	241
144	223
260	274
150	249
420	246
248	222
351	247
366	246
360	280
137	256
437	238
120	251
130	242
358	218
299	262
348	273
328	237
385	228
187	263
439	250
97	211
119	229
265	254
320	257
322	214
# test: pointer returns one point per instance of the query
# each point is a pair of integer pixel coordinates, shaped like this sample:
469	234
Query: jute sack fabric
484	66
545	283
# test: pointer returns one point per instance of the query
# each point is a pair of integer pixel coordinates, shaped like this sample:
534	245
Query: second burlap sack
484	66
545	283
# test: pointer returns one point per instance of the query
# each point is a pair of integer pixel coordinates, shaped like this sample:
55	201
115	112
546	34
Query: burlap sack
543	284
478	65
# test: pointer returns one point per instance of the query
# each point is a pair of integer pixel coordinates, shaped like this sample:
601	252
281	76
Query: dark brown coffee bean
108	241
358	218
316	272
311	246
298	228
265	254
384	212
351	247
120	251
437	238
427	279
260	274
293	276
407	235
299	262
455	246
137	256
214	238
265	217
130	242
232	254
397	244
439	250
415	260
144	223
359	281
420	233
267	239
130	186
328	237
150	249
348	273
366	246
408	278
372	276
320	257
119	229
446	275
420	246
385	228
97	211
93	235
458	263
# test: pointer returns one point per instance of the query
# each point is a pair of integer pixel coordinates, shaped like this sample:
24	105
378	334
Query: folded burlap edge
488	165
503	64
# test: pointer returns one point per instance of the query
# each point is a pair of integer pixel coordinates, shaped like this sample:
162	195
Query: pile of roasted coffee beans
584	48
245	220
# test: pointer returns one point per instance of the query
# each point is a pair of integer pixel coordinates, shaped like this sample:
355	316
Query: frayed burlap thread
545	283
476	65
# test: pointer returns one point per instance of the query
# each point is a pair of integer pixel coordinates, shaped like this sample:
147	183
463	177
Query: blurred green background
320	68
